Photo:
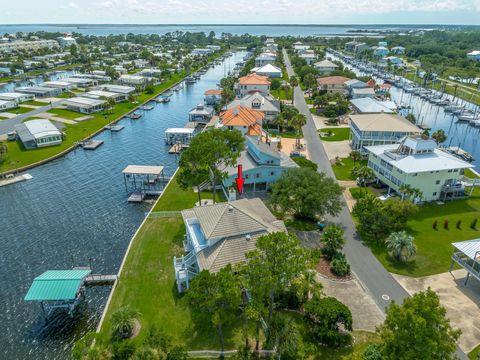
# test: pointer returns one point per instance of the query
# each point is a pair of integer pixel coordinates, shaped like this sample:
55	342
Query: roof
363	91
11	95
269	68
117	88
332	80
213	92
417	163
143	170
469	248
83	101
180	131
201	109
383	122
254	79
240	116
267	103
35	129
326	63
368	105
102	93
57	285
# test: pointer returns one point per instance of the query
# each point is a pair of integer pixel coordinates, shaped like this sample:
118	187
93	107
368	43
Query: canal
75	211
433	116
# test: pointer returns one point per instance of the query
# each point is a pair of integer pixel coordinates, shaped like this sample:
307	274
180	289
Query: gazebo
467	255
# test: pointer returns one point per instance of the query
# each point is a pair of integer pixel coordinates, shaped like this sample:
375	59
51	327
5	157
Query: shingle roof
332	80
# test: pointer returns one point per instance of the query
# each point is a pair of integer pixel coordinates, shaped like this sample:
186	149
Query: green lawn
35	103
66	114
18	110
338	134
343	171
360	192
470	174
17	155
475	353
434	249
281	94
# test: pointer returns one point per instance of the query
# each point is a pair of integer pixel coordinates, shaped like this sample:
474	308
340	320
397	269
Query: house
66	41
355	84
27	45
299	47
201	52
365	92
271	45
200	114
474	55
398	50
150	73
380	52
119	89
369	105
356	47
58	84
244	119
325	67
214	47
82	82
133	80
105	95
417	162
309	56
332	84
264	59
17	97
252	83
213	96
382	43
392	60
221	234
39	91
268	70
378	129
38	133
7	104
85	105
256	101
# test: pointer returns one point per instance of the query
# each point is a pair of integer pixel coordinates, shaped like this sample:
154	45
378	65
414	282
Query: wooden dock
91	144
99	279
136	197
11	179
177	148
114	128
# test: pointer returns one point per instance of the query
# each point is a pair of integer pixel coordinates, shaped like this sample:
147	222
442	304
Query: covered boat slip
143	180
467	255
179	135
58	289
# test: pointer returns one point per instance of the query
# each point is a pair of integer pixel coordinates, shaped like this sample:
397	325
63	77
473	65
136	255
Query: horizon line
241	24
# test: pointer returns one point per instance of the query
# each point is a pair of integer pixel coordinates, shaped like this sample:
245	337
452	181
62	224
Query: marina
74	209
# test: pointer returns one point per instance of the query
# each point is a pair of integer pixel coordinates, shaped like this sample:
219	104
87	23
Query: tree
419	326
111	104
3	151
275	84
372	219
401	246
364	174
123	322
215	298
293	82
272	267
297	122
332	240
410	117
283	335
309	80
304	193
439	136
279	121
325	316
398	212
405	190
149	89
355	155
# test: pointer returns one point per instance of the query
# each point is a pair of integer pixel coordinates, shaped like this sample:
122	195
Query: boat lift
143	180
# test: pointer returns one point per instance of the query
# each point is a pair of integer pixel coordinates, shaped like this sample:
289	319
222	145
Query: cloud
73	5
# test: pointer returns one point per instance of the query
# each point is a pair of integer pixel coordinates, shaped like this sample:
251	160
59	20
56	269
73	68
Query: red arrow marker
239	180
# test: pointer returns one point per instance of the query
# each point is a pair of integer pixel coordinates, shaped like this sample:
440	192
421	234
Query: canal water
37	80
75	211
433	116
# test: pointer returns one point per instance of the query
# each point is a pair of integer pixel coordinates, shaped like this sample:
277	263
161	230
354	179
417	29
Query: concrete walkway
8	125
371	274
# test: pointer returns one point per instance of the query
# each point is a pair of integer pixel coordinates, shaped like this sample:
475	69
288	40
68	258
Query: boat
135	116
147	107
190	80
163	99
467	116
460	153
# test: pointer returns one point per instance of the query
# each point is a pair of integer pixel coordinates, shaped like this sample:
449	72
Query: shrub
473	225
459	224
445	224
340	265
303	162
434	225
372	352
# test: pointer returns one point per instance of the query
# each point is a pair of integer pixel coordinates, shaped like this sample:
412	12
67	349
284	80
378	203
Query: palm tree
283	335
309	81
355	156
416	194
279	121
405	190
332	240
401	246
364	174
439	136
123	321
298	121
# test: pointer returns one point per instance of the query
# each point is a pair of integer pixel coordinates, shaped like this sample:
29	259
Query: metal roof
57	285
469	248
143	170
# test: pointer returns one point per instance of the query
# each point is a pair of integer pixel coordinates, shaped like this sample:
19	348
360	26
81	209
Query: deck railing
459	258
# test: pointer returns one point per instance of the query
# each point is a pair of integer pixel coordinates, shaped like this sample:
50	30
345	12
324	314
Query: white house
417	162
66	41
256	101
252	83
39	91
85	105
378	129
299	46
309	56
221	234
264	59
325	67
368	105
474	55
380	52
105	95
119	89
17	97
133	80
268	70
398	50
358	93
58	84
38	133
7	104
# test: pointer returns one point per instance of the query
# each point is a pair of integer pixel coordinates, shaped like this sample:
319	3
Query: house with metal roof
119	89
221	234
105	95
256	101
369	105
360	93
7	104
378	129
39	91
262	165
416	161
268	70
201	114
325	67
16	96
467	255
38	133
85	105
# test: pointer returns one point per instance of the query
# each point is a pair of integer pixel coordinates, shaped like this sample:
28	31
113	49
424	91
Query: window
437	182
434	194
414	174
272	173
450	170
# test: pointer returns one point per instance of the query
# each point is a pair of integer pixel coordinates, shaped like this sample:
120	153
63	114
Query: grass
301	224
18	110
281	94
470	174
475	353
360	192
343	169
434	249
35	103
339	134
18	156
147	282
66	114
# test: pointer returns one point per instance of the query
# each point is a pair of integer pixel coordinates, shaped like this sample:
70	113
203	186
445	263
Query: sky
240	12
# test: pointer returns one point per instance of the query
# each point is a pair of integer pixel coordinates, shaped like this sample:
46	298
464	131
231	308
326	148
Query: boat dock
114	128
91	144
12	179
143	180
177	148
99	279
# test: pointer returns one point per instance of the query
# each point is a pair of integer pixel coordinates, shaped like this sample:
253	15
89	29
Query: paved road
8	125
373	277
